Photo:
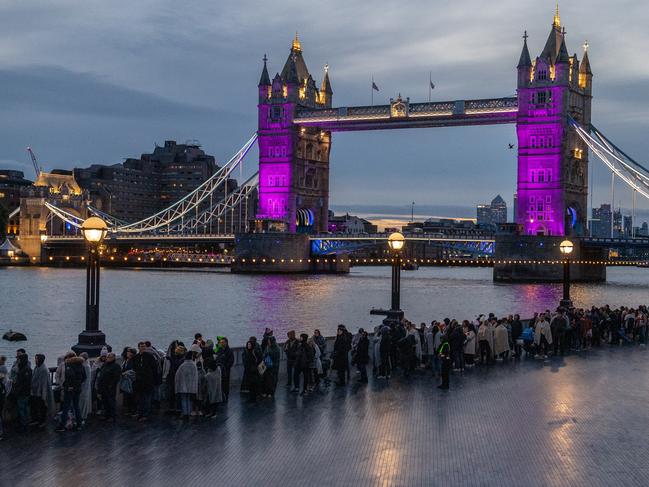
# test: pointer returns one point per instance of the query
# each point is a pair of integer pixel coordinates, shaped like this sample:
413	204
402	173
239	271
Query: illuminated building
293	160
493	213
552	161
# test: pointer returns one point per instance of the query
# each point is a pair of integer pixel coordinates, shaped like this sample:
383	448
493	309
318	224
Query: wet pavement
582	421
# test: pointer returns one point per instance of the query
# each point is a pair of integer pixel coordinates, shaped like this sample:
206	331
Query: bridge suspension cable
170	216
109	219
66	216
220	208
191	201
634	174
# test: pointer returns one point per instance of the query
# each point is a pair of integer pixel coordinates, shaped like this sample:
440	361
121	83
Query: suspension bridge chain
109	219
170	216
634	174
219	209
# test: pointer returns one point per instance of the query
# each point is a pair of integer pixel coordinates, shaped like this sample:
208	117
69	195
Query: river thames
47	304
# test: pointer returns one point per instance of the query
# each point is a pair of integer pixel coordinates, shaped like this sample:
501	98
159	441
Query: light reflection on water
47	304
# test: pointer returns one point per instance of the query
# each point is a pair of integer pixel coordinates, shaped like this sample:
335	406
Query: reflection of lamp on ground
566	248
396	241
92	340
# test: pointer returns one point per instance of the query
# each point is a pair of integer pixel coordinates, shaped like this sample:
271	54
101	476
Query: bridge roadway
432	114
376	237
577	421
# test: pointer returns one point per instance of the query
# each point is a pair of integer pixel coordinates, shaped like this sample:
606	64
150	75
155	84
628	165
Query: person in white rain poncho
85	399
186	384
214	391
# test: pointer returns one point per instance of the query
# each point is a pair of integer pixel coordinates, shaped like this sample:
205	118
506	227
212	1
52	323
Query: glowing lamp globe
566	247
396	241
94	230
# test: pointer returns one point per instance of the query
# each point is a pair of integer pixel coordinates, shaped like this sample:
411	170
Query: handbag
126	385
261	368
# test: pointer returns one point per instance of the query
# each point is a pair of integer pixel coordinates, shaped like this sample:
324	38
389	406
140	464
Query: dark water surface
48	304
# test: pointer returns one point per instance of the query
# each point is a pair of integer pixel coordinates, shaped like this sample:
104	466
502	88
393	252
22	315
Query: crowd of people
194	380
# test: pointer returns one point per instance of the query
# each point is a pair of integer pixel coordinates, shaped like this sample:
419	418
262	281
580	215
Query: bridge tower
293	160
552	183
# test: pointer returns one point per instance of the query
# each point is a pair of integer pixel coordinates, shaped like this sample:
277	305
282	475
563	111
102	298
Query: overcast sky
94	82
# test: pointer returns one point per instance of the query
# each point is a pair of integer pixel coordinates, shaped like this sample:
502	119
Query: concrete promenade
578	421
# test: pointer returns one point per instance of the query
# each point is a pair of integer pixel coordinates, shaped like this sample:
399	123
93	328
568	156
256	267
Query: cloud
96	81
57	90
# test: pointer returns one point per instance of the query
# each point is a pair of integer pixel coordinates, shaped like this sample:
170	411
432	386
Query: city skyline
116	96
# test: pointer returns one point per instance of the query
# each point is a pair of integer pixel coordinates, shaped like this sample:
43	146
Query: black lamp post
92	340
566	248
396	241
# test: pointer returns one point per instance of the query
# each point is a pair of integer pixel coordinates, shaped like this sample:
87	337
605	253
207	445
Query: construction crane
37	169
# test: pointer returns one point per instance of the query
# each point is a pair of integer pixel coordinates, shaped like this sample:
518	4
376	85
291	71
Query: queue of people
195	380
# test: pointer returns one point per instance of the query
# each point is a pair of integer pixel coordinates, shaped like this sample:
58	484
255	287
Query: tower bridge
283	207
296	122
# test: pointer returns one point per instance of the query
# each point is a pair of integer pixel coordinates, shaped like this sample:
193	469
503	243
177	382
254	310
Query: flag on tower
374	87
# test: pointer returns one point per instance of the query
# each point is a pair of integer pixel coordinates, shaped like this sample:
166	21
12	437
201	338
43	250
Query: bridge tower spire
556	21
552	185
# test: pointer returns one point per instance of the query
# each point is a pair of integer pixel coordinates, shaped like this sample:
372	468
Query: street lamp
92	340
43	240
396	241
566	248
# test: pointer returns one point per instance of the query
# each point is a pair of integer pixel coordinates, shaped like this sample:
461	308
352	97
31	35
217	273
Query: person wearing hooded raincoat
485	341
271	359
85	399
42	397
186	384
385	352
542	336
213	389
501	340
470	345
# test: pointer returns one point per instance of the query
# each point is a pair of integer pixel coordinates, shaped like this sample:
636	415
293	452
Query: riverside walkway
578	421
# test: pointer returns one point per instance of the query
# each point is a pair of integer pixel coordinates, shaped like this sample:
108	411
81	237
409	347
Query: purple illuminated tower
293	160
552	160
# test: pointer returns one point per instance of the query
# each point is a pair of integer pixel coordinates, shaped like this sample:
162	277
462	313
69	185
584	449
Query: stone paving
578	421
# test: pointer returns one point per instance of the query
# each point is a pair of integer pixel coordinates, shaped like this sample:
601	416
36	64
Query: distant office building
514	209
628	226
617	223
643	230
493	213
11	182
600	225
140	187
349	224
